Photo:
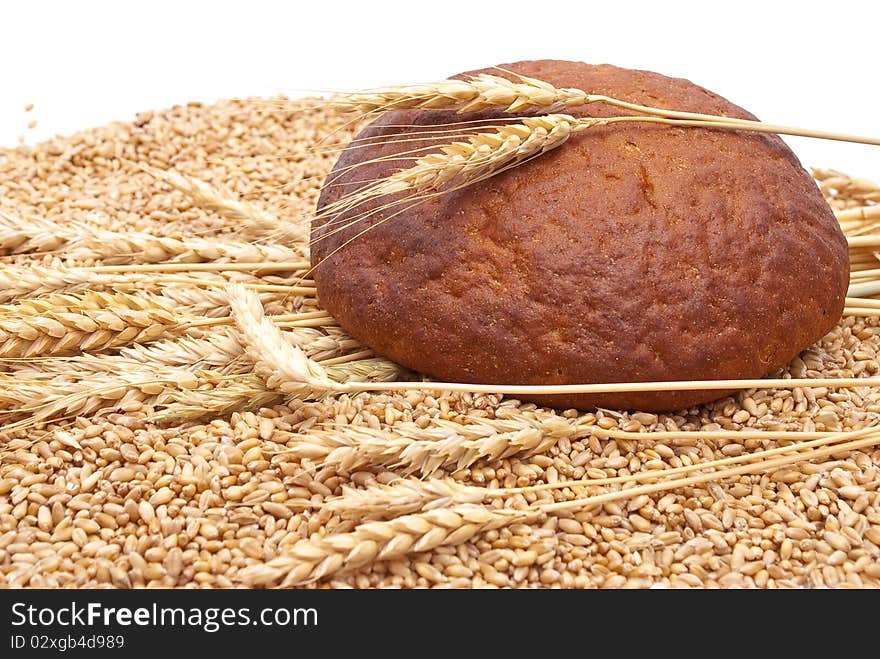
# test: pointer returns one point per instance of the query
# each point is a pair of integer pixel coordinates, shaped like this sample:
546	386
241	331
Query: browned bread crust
631	253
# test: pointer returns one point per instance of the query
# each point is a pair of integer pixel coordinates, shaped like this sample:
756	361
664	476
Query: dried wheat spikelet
38	400
482	155
88	242
18	236
92	322
473	94
403	497
247	392
314	559
411	449
310	560
253	218
82	242
282	366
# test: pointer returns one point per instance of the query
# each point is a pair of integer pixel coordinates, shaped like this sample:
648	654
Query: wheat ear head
482	155
412	449
249	392
19	236
402	497
42	399
474	93
282	366
260	222
310	560
83	242
90	243
68	324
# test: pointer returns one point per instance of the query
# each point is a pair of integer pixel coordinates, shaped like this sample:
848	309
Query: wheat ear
403	497
485	92
42	399
260	222
250	392
282	366
475	93
482	155
89	243
83	242
310	560
68	324
412	449
18	236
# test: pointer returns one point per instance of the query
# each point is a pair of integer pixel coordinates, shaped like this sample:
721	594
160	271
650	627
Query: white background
85	63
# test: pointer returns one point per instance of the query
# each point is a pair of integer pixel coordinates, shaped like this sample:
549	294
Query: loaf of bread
633	252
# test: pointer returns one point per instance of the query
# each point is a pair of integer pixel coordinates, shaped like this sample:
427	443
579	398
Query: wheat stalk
310	560
253	218
616	387
412	449
407	496
313	559
94	321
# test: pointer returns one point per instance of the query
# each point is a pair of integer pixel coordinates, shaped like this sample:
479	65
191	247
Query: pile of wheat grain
104	480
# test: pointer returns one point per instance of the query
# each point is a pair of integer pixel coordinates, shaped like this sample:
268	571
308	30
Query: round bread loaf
633	252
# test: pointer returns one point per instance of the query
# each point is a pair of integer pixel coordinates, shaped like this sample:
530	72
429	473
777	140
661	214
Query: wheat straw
618	387
314	559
